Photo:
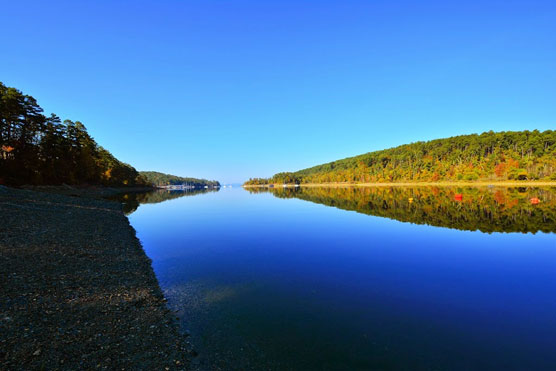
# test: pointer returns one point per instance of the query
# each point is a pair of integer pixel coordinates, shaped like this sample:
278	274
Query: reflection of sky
358	273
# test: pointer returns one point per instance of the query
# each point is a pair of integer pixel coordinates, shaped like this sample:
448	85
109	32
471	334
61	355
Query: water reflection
267	283
132	200
487	209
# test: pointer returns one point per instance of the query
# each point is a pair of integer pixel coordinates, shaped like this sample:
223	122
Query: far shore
516	183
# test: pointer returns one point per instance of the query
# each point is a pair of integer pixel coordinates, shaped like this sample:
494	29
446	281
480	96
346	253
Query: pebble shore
78	291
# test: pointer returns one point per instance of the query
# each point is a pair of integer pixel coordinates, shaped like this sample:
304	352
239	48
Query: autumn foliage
521	155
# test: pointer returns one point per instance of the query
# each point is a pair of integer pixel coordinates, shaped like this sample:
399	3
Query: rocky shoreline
78	291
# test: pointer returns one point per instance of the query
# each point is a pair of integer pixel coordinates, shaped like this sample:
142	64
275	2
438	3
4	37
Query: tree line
160	179
510	155
39	149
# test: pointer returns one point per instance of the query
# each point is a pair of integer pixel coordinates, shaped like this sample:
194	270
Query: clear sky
230	89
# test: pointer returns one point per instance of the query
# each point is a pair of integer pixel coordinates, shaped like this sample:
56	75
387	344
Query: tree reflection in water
487	209
131	201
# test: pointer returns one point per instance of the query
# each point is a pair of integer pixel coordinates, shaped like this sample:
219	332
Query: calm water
359	278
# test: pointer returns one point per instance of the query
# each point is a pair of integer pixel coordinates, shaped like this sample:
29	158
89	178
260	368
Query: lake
378	278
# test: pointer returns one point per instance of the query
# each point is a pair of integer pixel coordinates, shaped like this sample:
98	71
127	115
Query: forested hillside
160	179
39	149
521	155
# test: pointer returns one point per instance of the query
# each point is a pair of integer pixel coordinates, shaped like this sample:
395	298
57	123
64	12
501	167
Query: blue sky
232	89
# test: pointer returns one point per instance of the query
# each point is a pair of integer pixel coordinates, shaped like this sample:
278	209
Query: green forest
38	149
510	155
487	209
160	179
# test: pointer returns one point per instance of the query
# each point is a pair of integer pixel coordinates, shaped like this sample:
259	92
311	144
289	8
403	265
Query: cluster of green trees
39	149
497	209
521	155
160	179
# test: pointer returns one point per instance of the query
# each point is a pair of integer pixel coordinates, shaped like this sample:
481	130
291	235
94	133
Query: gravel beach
78	291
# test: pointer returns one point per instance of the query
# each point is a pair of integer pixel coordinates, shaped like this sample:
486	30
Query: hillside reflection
131	201
487	209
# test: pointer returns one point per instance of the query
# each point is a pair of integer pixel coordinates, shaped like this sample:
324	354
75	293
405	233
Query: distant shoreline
524	183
